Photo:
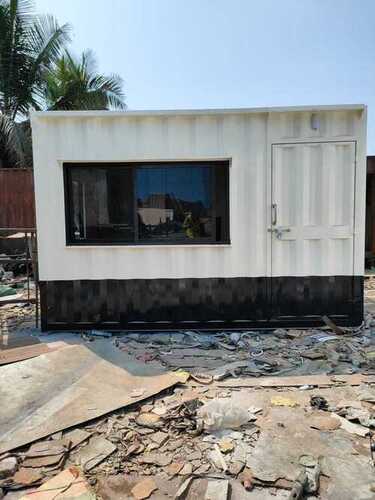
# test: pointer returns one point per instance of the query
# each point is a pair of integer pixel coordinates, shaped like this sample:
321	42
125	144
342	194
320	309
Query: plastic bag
221	414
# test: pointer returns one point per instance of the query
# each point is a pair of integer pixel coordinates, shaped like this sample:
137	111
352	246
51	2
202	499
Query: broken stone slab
183	489
159	459
217	490
217	459
48	448
144	488
27	476
68	484
47	461
76	437
352	428
324	423
113	487
174	468
159	438
95	452
186	470
8	467
235	468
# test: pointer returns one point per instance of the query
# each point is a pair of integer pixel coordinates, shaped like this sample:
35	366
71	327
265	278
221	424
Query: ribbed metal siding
246	139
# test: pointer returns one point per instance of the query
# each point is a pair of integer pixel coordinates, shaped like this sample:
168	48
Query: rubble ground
256	415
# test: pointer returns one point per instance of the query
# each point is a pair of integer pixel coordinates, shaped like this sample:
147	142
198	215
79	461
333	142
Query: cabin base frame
201	303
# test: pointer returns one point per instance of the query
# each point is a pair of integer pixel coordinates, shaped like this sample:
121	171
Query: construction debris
217	490
95	452
68	484
80	388
144	488
281	414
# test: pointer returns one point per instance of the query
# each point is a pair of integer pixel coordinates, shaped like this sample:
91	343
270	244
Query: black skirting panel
201	303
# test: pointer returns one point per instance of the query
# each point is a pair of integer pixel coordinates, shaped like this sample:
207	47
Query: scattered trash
100	333
299	486
143	434
283	401
319	402
222	414
333	326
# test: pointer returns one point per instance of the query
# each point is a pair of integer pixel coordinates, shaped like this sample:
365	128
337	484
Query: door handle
274	214
279	231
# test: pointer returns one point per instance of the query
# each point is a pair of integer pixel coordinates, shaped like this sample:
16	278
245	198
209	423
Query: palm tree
29	46
76	84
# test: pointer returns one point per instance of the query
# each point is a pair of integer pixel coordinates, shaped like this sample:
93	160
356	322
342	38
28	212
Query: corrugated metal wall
17	201
245	138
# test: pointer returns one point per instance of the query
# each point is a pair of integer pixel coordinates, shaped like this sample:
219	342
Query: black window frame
70	241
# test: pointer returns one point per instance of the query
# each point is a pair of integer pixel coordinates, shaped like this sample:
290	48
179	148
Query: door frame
269	200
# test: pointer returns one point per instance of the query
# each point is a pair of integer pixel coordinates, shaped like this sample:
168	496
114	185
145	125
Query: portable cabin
200	219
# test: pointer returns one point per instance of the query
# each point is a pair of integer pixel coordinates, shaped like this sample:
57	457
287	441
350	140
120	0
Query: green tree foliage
37	72
76	84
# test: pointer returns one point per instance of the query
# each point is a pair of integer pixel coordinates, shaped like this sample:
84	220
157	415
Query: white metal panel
313	192
243	136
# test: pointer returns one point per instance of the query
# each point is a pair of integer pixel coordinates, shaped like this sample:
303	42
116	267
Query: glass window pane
174	202
101	204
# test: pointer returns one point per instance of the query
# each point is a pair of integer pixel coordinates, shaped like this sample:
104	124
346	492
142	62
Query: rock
144	488
8	467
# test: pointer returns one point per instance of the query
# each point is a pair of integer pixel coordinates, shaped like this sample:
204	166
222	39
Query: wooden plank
21	353
318	380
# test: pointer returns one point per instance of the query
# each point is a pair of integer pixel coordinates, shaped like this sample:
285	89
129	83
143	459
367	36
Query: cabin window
147	203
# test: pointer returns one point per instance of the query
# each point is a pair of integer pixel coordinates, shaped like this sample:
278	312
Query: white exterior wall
243	136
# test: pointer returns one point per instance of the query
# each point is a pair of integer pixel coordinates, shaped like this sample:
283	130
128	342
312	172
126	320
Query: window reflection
174	203
102	207
179	202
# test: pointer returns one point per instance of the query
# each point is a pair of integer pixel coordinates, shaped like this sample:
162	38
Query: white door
312	209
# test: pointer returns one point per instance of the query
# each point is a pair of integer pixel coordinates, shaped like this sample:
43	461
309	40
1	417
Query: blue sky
230	53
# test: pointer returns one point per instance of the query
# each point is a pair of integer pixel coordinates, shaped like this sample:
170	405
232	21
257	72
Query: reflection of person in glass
191	225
